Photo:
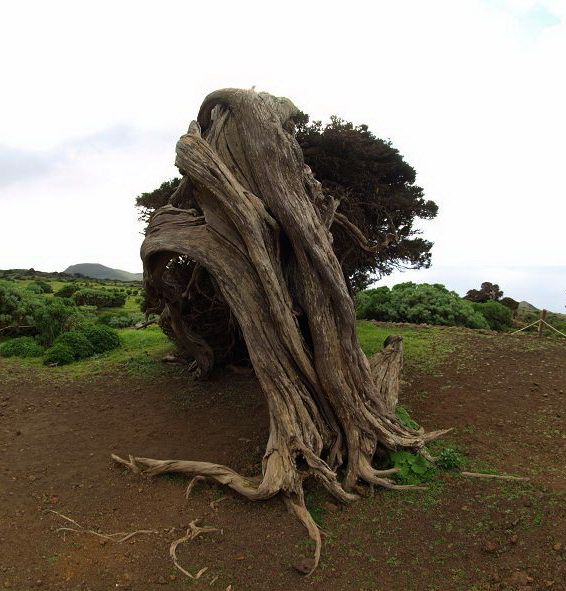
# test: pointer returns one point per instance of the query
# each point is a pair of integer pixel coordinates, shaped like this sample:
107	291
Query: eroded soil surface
505	396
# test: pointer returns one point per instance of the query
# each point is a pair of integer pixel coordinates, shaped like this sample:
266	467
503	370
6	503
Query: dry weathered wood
250	225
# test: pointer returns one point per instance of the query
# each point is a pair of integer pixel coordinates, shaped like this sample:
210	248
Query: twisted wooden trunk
250	224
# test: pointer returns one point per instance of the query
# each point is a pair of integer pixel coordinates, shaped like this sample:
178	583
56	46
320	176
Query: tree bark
252	216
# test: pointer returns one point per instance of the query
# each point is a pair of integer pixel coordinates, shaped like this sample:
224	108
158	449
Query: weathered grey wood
250	214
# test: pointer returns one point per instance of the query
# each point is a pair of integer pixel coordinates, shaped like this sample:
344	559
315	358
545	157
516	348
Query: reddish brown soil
505	396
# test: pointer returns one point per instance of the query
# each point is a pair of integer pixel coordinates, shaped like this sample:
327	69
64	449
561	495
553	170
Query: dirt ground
505	396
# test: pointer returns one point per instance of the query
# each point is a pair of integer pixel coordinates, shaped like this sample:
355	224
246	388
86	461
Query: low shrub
59	354
77	342
66	291
101	298
53	318
101	337
21	347
39	287
121	319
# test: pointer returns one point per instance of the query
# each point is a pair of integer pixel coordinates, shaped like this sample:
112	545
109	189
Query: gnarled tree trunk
249	225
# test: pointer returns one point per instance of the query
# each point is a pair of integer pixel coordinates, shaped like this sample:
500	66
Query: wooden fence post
541	322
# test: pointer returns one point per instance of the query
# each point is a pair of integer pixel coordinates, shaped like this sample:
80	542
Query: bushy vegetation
59	354
100	298
52	318
39	287
16	309
21	347
498	316
101	337
121	319
67	291
77	342
422	304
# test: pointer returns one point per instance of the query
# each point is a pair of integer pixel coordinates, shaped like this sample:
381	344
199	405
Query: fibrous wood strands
249	226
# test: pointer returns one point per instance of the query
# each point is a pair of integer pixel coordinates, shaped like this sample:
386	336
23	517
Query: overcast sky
472	93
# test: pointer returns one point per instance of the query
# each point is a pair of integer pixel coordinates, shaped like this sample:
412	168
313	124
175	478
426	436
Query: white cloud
473	101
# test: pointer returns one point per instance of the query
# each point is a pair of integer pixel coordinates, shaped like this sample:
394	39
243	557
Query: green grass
140	354
425	348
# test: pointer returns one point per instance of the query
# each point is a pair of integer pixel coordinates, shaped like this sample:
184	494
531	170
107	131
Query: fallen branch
495	476
192	532
118	537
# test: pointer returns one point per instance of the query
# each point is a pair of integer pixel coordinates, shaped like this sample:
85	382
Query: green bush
16	308
121	319
77	342
59	354
66	291
498	316
101	337
53	318
418	303
101	298
39	287
21	347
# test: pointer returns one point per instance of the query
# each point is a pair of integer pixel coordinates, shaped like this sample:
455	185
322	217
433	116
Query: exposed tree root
117	537
192	532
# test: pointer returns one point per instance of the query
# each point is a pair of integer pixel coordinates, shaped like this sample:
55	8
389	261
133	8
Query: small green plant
414	469
404	417
450	458
59	354
21	347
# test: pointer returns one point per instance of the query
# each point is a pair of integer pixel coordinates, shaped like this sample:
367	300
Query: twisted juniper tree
241	259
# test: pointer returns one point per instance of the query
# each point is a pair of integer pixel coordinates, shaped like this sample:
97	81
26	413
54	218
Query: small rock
557	547
240	557
489	547
519	578
162	581
305	566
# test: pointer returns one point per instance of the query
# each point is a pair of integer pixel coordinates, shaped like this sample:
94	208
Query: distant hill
96	271
526	306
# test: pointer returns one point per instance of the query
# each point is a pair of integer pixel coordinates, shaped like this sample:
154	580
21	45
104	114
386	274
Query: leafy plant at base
414	469
21	347
101	337
77	342
59	354
404	417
